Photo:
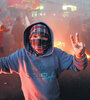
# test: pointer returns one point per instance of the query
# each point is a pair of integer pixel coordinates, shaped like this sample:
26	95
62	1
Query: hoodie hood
27	43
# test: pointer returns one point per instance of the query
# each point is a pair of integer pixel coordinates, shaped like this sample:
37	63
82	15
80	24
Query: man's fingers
72	39
84	45
77	37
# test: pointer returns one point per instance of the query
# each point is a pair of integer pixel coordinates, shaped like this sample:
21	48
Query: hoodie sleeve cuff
80	60
80	63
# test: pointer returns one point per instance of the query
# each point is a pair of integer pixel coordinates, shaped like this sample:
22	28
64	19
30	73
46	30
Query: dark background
73	86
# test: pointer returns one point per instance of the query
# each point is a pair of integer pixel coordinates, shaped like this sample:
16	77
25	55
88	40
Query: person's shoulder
57	49
22	51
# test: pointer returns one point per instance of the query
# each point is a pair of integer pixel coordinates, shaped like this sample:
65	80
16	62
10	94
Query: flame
59	44
88	56
1	29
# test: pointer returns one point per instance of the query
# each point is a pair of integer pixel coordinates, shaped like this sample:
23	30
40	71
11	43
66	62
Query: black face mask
39	43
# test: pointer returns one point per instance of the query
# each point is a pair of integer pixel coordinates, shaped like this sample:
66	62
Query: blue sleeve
10	63
68	61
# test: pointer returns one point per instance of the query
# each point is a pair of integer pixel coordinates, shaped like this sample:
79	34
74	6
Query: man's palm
79	47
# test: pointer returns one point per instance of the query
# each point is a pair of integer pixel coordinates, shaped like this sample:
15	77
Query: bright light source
72	7
41	7
88	56
59	44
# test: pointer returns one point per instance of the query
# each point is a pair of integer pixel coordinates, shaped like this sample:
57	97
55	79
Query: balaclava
39	45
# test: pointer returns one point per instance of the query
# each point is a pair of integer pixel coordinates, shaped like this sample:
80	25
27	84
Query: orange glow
1	29
88	56
59	44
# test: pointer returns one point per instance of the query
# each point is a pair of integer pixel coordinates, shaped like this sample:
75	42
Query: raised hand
79	47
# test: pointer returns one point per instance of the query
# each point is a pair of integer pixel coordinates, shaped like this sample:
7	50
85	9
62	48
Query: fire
88	56
59	44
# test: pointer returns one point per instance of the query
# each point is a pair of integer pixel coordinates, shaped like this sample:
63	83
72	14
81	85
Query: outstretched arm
80	58
10	63
78	61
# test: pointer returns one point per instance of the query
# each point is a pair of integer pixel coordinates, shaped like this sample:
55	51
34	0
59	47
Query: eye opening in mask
38	36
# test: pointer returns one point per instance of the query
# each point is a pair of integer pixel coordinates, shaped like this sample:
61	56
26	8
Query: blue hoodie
39	74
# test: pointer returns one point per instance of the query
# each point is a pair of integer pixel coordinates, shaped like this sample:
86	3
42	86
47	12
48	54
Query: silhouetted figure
17	31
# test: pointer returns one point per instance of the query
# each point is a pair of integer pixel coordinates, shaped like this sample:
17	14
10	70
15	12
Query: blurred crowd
12	28
11	35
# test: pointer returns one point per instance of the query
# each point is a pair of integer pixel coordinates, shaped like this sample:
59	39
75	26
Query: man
17	31
40	64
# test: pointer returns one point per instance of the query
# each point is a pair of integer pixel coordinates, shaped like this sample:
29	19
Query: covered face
39	38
